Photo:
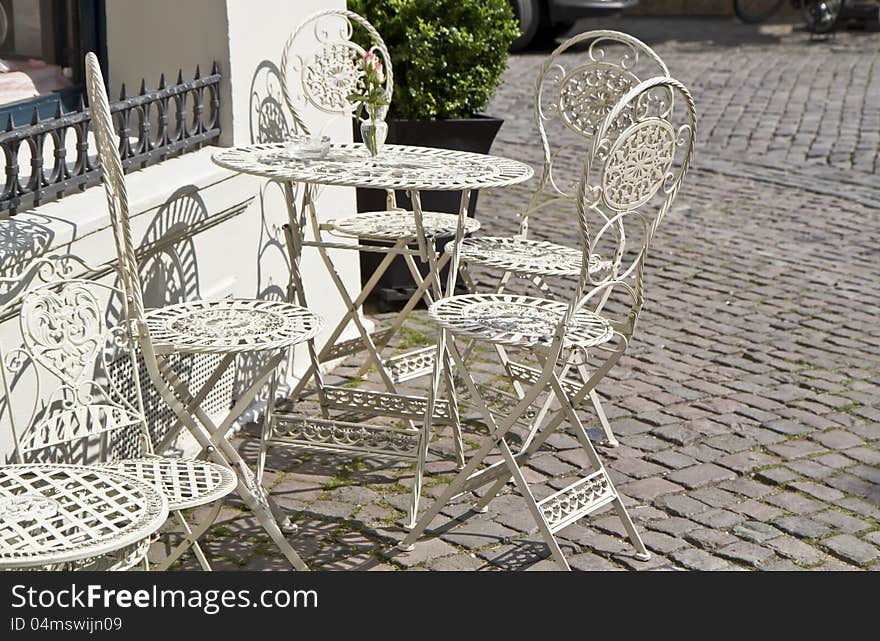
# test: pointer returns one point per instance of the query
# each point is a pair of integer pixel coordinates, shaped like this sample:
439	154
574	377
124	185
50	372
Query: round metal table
52	515
396	168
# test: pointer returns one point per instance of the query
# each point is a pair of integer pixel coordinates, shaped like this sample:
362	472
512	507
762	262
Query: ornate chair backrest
321	66
106	141
630	180
71	391
574	93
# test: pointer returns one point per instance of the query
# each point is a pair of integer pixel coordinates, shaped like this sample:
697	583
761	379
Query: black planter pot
468	134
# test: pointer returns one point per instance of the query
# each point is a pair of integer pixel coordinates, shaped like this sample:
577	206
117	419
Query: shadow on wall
169	273
21	242
269	122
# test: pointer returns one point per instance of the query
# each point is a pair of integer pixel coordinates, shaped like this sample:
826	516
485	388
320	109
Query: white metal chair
93	413
319	81
628	176
573	94
319	69
228	328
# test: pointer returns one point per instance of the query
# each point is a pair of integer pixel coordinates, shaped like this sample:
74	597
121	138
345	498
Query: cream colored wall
243	253
240	35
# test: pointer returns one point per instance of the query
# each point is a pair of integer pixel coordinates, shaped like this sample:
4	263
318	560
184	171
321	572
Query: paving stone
802	527
785	426
756	531
662	543
842	522
714	496
676	433
456	563
791	502
700	475
747	487
648	489
859	506
671	459
423	551
710	539
746	552
851	549
811	468
588	562
478	533
756	510
850	484
837	439
333	509
782	565
696	559
868	472
680	505
744	462
674	526
637	468
821	492
718	518
795	448
795	549
862	454
354	494
776	475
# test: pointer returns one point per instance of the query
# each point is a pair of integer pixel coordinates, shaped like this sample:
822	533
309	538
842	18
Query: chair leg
610	439
224	453
191	538
266	428
642	553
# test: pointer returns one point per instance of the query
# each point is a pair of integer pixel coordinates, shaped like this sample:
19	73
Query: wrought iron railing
152	126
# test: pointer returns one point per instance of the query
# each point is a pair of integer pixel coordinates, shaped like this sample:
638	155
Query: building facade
205	232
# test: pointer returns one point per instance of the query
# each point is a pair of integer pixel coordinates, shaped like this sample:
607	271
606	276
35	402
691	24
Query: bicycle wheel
821	15
755	11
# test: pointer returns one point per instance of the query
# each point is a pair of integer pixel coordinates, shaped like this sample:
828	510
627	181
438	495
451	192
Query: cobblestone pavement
747	408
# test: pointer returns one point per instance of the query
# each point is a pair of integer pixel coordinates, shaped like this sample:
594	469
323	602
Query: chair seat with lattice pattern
526	256
514	320
186	483
230	325
393	225
70	516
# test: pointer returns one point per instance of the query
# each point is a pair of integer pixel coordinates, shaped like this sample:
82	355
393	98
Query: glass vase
374	129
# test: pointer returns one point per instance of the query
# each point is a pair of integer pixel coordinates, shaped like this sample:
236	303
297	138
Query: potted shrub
448	57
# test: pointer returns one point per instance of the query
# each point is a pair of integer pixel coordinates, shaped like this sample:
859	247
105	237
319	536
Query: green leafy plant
448	55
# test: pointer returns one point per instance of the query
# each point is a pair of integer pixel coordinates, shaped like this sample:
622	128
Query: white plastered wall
236	246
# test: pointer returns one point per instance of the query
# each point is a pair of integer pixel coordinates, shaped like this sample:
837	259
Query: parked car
543	20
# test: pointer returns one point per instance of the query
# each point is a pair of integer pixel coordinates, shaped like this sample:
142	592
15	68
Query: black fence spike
215	69
198	73
84	173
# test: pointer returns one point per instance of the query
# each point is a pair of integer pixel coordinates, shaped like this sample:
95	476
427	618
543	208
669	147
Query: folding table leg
176	395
